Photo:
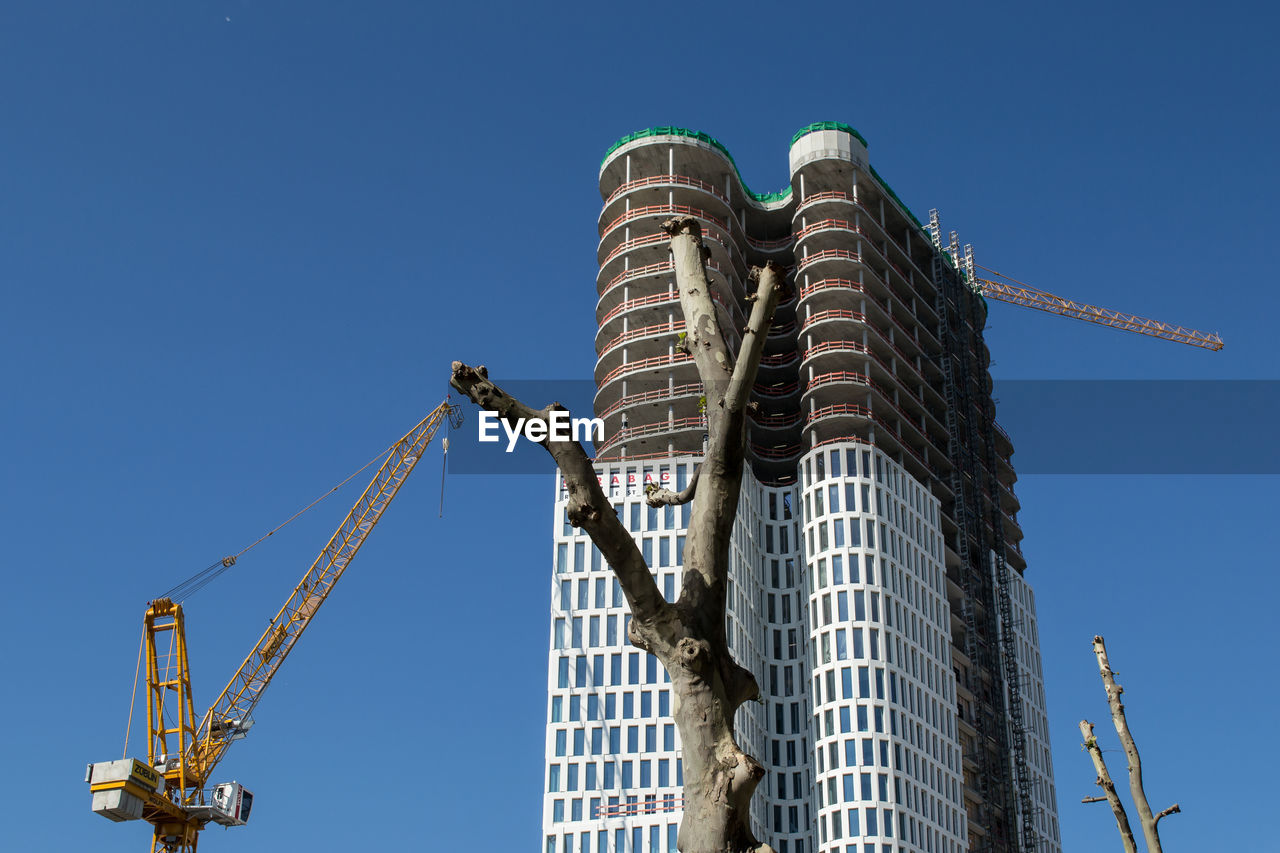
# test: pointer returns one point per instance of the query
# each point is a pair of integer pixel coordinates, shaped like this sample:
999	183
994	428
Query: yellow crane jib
168	790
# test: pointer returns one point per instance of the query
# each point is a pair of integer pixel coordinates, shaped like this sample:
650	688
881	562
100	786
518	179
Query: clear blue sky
240	243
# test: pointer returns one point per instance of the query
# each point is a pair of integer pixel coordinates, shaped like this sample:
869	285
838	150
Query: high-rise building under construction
877	587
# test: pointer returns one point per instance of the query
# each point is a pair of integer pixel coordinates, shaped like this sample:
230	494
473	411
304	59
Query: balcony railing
778	421
647	270
665	181
663	209
833	314
827	255
651	363
630	433
687	389
775	452
643	332
855	410
654	806
650	300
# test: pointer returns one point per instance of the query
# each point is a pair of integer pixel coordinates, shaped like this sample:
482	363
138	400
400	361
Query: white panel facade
888	768
613	771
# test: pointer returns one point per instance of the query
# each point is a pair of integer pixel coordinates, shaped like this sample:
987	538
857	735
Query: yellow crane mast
170	790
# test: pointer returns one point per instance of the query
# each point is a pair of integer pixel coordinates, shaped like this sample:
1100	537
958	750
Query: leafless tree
687	635
1148	820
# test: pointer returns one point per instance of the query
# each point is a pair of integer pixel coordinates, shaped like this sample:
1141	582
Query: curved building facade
879	593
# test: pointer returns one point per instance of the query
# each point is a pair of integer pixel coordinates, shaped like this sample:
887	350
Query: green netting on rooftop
828	125
763	198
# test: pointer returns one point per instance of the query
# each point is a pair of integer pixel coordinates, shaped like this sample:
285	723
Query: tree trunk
1148	820
687	636
1108	787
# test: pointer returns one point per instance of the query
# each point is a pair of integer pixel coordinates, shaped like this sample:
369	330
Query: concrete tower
877	582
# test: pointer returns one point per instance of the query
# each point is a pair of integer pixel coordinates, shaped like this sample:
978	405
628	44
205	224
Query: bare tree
1108	788
688	635
1149	821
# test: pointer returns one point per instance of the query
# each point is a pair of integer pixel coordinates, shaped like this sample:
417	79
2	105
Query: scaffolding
1003	785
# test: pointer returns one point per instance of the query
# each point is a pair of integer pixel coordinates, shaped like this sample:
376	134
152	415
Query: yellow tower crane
1007	289
170	790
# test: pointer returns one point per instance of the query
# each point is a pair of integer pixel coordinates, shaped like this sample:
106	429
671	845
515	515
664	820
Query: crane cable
202	578
133	697
1014	280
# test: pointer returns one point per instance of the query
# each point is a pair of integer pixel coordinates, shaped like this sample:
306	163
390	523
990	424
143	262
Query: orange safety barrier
650	269
650	239
892	346
854	346
838	409
839	346
636	457
775	452
833	195
833	314
885	394
846	197
807	290
853	409
646	364
841	439
662	804
828	255
665	180
660	209
827	225
642	332
652	299
770	245
639	302
685	390
780	421
777	390
634	243
622	435
837	376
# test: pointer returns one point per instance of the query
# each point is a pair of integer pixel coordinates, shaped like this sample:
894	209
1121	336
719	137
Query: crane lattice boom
1007	289
1017	293
236	702
169	790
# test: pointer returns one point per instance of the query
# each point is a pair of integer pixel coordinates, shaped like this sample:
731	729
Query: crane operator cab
231	803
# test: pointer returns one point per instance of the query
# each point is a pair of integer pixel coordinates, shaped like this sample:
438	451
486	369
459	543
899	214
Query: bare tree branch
769	280
728	386
1108	788
589	508
1093	799
704	338
656	496
1173	809
1139	794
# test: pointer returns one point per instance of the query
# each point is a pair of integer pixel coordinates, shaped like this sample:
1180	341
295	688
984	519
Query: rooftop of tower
779	197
